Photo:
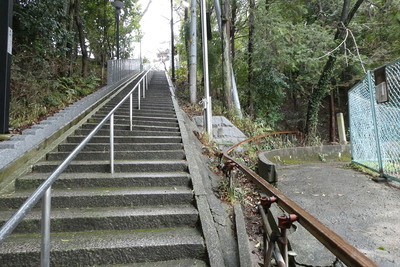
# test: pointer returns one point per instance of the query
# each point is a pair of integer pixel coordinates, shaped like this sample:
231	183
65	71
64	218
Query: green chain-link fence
374	108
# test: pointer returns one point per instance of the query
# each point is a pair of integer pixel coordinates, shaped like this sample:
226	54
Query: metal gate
374	109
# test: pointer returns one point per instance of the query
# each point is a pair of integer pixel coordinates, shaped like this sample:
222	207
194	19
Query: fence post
376	131
341	129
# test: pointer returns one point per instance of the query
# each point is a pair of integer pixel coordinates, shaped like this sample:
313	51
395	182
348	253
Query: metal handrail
44	190
348	254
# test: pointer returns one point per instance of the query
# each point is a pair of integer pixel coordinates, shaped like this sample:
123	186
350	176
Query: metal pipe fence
44	190
121	68
374	116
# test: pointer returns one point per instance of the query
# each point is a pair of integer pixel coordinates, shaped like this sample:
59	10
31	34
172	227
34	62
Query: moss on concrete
310	158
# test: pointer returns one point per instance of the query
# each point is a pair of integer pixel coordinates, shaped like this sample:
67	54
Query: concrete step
106	197
136	117
127	139
127	132
140	112
98	179
157	111
121	155
108	218
119	166
106	247
126	121
135	127
175	263
157	102
122	147
150	103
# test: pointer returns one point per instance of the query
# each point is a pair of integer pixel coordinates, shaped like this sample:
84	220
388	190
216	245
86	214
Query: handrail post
284	223
144	88
112	143
138	96
45	228
130	111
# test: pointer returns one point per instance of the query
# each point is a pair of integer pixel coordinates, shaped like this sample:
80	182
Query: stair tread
120	162
103	175
99	179
124	144
134	136
120	116
104	239
103	191
89	124
173	263
84	132
119	155
96	212
125	151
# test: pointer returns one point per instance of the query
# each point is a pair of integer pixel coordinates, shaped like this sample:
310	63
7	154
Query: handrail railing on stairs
44	190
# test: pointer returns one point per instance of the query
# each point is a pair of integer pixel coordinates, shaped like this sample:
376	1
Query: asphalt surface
363	212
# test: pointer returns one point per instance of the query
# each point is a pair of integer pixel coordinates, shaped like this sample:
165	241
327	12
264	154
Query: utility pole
6	11
193	52
207	98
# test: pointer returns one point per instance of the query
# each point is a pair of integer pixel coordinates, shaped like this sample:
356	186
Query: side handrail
44	190
348	254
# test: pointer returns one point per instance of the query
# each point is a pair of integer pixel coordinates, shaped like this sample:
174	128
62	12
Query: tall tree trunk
70	45
226	57
322	88
332	120
81	33
250	61
233	27
64	43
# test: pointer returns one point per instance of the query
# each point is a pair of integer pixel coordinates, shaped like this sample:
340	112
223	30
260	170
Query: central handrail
44	190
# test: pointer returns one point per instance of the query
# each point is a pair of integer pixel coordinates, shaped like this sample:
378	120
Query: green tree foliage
59	40
289	47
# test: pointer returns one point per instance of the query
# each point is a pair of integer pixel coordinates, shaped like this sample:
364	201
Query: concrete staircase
142	215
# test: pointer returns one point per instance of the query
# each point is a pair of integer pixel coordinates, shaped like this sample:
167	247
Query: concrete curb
242	238
269	160
210	233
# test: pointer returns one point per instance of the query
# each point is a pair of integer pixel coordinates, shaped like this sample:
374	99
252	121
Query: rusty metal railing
345	252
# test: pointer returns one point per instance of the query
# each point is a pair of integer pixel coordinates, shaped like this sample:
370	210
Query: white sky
156	29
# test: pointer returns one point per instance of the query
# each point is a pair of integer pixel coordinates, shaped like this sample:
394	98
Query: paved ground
363	212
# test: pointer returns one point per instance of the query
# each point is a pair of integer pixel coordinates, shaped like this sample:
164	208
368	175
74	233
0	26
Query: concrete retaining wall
269	161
